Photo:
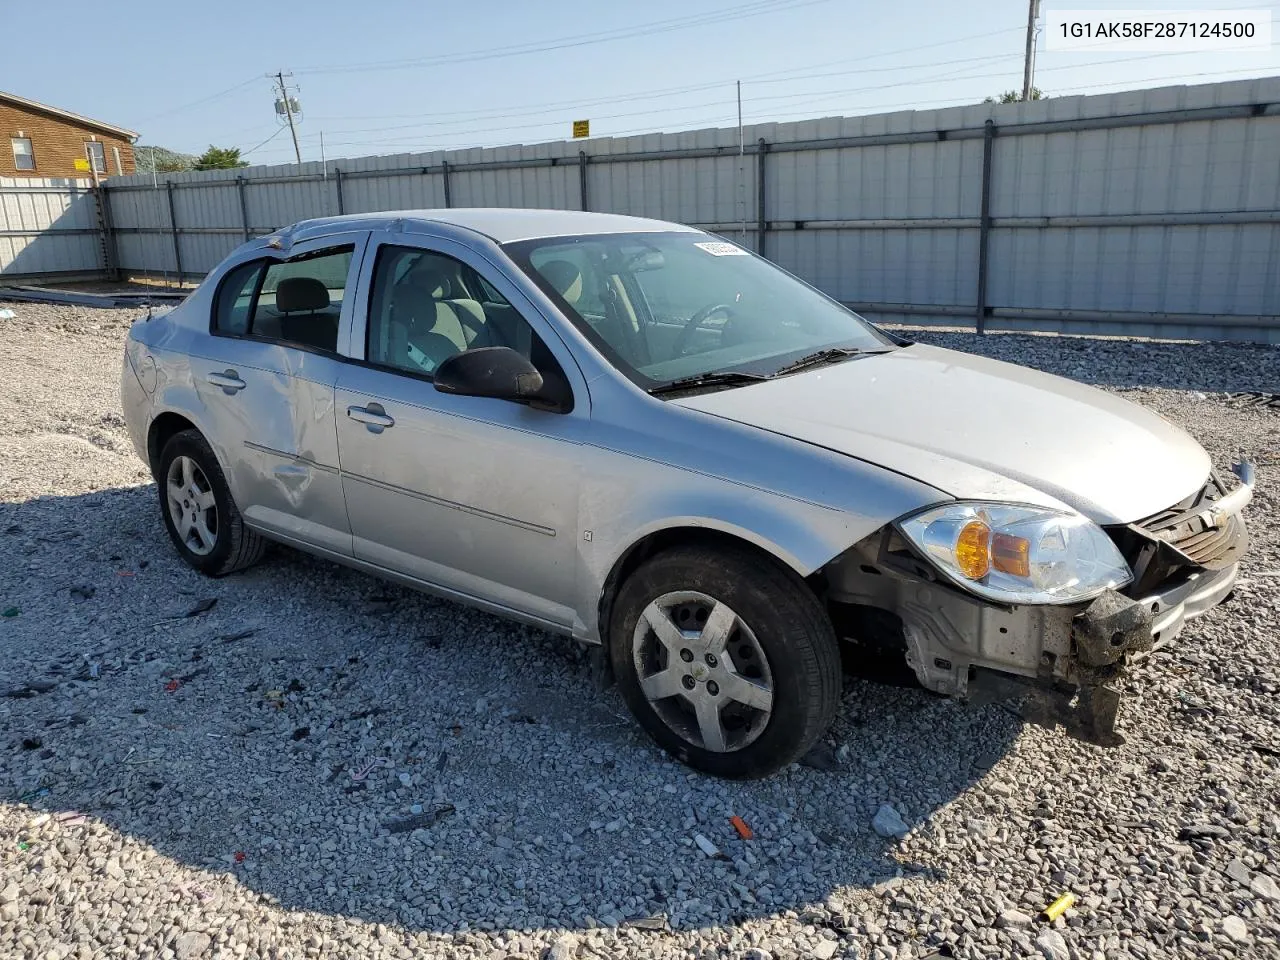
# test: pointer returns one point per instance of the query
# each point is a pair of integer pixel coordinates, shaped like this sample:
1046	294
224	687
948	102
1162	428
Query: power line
865	108
436	122
663	109
717	16
930	104
774	76
721	15
654	94
243	133
1205	73
245	153
1072	66
196	103
436	119
708	121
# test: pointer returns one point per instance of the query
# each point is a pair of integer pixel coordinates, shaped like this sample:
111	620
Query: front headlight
1016	554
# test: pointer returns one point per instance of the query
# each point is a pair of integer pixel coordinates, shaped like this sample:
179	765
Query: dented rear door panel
277	431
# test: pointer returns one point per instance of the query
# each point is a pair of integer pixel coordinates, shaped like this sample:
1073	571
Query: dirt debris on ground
222	785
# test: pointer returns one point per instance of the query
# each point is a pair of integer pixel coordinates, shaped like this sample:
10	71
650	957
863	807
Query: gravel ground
236	782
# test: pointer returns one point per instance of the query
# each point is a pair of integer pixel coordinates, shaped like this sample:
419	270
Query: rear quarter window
234	303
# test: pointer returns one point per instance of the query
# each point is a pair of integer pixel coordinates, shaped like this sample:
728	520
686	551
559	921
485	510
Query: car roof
500	224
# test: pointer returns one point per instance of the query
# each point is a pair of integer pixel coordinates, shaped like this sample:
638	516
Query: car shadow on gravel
277	739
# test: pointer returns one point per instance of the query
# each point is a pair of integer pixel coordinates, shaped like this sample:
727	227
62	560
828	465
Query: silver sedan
649	439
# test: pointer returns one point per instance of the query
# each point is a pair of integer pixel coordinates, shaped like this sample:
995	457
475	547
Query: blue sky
370	75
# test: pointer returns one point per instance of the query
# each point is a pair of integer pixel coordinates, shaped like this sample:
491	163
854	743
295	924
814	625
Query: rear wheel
728	662
198	511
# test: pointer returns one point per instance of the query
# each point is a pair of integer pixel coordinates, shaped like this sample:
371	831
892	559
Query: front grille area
1194	536
1179	540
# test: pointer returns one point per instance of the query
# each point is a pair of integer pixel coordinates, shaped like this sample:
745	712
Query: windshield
670	307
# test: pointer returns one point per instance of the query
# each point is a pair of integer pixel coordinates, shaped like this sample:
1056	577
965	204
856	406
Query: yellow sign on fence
581	128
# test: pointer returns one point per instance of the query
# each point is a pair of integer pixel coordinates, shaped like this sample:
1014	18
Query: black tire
790	626
235	546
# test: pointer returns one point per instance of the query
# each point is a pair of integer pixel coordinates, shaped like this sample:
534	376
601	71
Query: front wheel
729	662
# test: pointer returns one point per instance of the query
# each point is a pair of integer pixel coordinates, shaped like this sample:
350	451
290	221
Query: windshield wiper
828	355
727	378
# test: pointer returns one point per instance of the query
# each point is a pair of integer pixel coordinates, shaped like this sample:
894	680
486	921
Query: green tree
220	158
161	160
1015	96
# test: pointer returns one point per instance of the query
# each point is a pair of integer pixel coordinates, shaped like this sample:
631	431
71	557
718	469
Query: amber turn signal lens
1011	555
973	553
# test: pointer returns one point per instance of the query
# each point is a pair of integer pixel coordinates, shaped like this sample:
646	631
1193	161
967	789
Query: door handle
228	380
372	416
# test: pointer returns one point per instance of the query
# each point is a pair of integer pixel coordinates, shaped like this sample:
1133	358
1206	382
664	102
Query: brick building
37	140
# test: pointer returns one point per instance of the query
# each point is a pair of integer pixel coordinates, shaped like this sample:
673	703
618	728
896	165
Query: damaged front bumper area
1114	631
1071	657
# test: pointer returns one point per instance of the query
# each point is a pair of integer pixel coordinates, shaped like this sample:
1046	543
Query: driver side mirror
503	374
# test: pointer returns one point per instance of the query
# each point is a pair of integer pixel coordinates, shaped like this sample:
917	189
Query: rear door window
296	301
300	300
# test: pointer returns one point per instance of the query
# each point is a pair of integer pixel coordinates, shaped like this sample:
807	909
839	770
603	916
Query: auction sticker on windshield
722	249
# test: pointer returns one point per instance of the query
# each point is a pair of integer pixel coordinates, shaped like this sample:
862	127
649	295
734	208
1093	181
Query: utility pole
742	168
1029	65
288	112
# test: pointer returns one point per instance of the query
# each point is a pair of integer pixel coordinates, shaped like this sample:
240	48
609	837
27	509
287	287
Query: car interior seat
427	326
568	281
303	305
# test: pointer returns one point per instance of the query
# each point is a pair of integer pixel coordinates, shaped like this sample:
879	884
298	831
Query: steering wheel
692	324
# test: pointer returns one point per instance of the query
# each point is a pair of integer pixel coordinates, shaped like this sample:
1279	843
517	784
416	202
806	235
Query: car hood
976	428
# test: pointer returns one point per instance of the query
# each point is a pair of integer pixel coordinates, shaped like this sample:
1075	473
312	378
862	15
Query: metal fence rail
1152	213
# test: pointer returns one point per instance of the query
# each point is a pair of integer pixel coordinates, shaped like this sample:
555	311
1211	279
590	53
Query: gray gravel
236	783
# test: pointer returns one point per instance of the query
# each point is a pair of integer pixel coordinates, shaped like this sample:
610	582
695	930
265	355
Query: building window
24	157
97	155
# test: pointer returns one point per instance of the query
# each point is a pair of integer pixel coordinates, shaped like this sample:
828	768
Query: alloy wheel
192	506
703	670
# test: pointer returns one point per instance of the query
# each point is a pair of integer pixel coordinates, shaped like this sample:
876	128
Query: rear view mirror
647	260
